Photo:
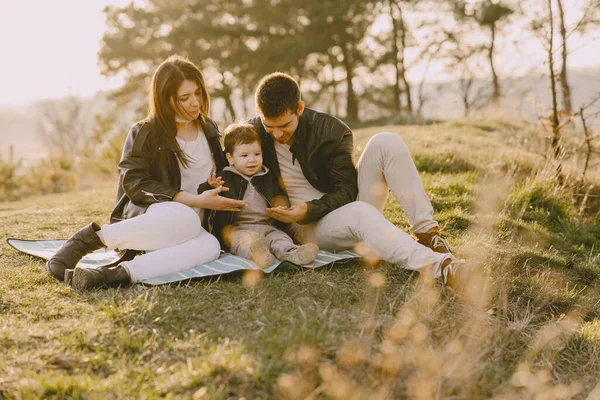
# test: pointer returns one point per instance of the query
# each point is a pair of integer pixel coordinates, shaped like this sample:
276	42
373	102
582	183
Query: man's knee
388	142
361	211
361	218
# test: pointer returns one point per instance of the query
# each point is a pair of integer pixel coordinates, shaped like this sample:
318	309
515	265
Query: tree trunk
225	92
407	90
352	103
495	83
395	50
228	103
335	107
466	84
556	146
588	142
567	104
245	92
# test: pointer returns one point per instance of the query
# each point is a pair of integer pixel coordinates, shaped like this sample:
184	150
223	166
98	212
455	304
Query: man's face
283	127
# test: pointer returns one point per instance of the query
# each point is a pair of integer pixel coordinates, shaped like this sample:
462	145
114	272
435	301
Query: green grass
368	331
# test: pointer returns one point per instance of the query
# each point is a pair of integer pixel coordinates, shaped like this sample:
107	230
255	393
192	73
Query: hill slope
368	331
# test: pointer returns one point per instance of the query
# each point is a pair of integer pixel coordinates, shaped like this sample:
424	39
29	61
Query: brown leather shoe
433	240
455	274
72	251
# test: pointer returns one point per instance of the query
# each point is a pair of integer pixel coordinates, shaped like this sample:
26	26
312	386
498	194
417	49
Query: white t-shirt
298	188
200	165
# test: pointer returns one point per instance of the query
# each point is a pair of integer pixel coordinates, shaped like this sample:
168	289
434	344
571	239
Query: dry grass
525	327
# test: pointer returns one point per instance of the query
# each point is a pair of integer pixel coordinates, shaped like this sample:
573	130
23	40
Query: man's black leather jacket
324	148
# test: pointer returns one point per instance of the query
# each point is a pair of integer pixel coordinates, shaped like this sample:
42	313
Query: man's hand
215	181
289	214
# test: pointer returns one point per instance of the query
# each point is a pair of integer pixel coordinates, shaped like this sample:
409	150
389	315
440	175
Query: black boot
87	278
72	251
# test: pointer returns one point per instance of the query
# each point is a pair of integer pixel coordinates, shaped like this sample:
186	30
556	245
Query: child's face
246	158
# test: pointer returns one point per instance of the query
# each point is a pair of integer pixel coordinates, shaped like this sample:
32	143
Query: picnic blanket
225	264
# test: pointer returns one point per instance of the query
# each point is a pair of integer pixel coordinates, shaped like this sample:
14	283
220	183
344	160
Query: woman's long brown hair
166	80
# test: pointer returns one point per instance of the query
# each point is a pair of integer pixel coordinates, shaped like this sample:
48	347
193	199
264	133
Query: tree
590	18
554	119
399	33
564	80
390	56
62	126
488	15
331	34
219	37
472	97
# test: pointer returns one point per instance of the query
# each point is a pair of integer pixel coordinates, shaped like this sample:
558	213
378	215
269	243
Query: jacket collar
263	171
209	129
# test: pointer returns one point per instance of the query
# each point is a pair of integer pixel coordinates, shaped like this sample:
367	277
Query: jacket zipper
242	198
259	192
154	195
264	197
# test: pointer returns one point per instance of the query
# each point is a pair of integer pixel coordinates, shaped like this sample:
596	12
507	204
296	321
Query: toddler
250	232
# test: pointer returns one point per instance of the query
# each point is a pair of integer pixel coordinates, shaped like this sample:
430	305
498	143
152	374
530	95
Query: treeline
353	55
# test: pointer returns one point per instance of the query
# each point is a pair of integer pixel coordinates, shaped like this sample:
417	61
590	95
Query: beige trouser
384	165
279	241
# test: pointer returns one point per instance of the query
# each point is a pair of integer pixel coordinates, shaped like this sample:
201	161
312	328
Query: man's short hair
277	93
239	133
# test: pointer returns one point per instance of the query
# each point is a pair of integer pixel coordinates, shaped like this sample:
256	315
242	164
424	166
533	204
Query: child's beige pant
279	242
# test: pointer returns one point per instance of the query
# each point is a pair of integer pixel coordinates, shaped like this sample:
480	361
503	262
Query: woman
165	158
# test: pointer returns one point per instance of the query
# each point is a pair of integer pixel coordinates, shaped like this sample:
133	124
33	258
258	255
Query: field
529	327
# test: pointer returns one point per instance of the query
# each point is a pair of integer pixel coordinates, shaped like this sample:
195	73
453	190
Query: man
335	204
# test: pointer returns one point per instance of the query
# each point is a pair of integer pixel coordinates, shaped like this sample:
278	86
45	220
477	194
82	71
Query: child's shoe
301	255
260	253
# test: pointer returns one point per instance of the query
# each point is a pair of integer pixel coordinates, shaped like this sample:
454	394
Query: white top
298	188
201	164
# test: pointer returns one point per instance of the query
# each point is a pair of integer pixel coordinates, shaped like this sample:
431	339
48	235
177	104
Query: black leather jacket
324	148
266	184
145	179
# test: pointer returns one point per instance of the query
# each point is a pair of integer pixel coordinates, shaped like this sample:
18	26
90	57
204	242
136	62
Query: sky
49	50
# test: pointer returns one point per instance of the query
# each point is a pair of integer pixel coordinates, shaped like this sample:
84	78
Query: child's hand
215	181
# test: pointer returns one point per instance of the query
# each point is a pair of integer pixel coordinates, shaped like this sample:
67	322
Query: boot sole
304	257
69	276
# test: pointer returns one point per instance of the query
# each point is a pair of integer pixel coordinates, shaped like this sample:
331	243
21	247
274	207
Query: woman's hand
210	199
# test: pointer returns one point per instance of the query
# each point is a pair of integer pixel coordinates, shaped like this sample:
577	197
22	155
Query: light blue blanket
227	263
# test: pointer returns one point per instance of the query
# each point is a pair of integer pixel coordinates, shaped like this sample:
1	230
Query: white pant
172	236
384	165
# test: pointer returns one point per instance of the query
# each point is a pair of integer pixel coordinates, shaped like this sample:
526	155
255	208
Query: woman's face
187	101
